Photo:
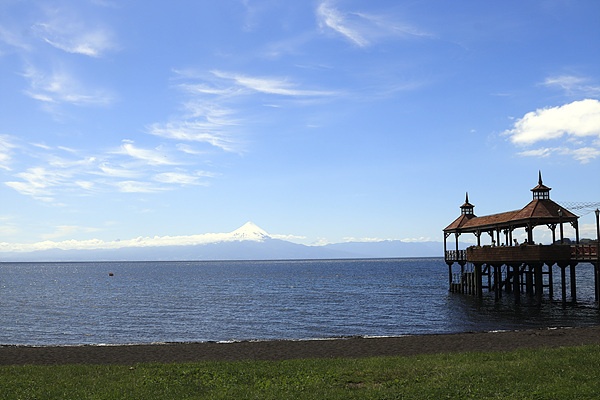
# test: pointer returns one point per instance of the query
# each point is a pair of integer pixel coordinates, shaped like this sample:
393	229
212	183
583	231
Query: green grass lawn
565	373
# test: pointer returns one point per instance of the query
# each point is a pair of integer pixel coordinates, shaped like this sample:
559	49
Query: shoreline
277	350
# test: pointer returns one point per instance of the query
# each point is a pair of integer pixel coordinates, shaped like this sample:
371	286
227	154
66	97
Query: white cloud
332	18
138	187
543	152
152	157
211	113
71	34
276	86
187	149
289	238
578	121
584	154
61	170
86	185
417	240
13	39
117	172
179	178
573	85
581	154
6	149
363	29
60	87
89	244
55	171
38	182
195	131
350	239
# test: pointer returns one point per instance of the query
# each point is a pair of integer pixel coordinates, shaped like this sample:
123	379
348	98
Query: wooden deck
508	255
514	268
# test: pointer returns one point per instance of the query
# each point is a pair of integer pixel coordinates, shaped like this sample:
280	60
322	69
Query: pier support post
497	283
507	282
516	284
573	282
528	281
563	283
596	281
538	282
478	281
550	281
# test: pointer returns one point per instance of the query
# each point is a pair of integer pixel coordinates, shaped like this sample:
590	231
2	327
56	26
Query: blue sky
320	121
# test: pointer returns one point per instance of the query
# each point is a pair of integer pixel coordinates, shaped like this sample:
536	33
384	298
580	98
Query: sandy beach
285	349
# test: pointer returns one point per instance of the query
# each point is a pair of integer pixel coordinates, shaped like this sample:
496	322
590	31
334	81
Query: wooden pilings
533	279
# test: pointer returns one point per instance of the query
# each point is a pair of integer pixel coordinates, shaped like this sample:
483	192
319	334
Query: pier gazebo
512	266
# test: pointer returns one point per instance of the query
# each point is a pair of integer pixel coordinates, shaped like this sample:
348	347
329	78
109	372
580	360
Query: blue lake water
146	302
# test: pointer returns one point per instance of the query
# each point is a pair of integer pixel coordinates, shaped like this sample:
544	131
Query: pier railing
456	255
555	253
584	252
519	254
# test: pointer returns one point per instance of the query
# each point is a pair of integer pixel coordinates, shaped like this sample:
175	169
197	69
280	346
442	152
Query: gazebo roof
539	211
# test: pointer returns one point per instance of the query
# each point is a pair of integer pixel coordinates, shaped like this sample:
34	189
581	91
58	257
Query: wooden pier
504	265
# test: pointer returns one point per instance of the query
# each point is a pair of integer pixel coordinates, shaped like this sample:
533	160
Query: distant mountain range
249	242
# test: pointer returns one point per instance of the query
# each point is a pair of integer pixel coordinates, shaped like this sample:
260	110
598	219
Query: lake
148	302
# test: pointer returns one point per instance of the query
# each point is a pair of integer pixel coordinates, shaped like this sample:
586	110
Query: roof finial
540	177
467	198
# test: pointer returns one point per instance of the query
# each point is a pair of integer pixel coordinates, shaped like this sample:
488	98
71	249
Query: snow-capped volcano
249	231
249	242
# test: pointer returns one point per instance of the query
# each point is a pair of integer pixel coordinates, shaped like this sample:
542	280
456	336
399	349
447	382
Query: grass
564	373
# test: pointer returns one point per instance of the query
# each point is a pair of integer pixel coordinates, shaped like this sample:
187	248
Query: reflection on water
486	314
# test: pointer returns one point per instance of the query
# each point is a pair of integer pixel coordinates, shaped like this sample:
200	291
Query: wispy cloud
111	171
277	86
59	87
363	29
332	18
38	182
351	239
69	32
42	37
6	150
212	113
53	172
138	187
581	154
578	121
150	156
13	39
179	178
204	130
574	85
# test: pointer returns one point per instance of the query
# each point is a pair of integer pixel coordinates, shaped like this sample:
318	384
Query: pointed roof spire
541	191
467	208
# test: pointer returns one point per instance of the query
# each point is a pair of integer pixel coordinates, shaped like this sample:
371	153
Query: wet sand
286	349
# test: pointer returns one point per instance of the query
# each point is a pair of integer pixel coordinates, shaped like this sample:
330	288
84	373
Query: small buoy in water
111	274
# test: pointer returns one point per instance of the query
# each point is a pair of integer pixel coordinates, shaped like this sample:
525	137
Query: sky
321	121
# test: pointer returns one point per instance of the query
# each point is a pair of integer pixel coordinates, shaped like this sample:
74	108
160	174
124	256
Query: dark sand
285	349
